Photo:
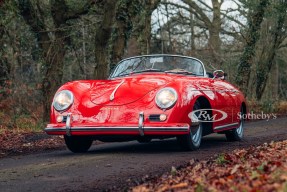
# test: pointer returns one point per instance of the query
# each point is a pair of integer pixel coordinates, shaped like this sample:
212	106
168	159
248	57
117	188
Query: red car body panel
95	113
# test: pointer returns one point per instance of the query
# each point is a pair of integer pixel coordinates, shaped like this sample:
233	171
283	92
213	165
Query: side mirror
218	74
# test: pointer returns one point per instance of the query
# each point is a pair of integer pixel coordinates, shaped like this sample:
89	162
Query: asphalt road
116	166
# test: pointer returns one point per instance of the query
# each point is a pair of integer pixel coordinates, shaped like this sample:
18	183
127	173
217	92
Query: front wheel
78	144
192	140
236	134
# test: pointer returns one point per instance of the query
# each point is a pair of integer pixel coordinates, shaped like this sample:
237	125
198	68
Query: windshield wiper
121	75
147	70
179	71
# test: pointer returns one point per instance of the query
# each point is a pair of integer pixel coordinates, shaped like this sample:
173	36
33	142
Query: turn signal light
60	119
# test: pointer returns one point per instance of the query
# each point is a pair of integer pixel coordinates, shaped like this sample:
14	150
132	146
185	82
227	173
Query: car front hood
125	90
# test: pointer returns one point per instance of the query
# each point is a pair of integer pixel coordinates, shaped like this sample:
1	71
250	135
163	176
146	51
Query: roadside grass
21	113
268	106
282	108
20	123
261	168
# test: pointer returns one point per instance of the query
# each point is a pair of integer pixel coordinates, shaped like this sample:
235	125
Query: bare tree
206	17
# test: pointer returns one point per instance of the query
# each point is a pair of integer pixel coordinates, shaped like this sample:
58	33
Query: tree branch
198	11
61	12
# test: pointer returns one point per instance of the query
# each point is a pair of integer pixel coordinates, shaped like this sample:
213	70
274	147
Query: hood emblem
112	96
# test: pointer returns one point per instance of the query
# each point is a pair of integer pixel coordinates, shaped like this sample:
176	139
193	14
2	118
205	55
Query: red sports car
148	97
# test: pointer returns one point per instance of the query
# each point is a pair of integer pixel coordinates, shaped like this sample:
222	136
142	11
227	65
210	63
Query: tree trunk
102	40
54	72
192	34
119	44
214	41
121	32
266	63
4	67
214	44
131	22
253	34
52	45
145	35
213	26
141	34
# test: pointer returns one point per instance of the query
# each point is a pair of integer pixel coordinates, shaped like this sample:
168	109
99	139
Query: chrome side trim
112	96
154	129
141	120
225	126
68	125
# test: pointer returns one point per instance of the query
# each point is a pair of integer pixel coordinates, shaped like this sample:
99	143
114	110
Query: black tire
78	144
236	134
192	141
144	140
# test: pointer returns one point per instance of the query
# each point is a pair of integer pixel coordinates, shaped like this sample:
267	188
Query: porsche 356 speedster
148	97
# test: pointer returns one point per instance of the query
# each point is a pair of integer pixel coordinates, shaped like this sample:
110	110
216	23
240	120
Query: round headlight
63	100
166	98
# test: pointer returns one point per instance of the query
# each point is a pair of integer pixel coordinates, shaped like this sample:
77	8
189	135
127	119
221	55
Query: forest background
45	43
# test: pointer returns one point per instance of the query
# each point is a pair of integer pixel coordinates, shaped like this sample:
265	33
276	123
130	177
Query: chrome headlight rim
56	104
158	102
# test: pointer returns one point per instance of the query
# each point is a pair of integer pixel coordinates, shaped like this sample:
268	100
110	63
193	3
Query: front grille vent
154	117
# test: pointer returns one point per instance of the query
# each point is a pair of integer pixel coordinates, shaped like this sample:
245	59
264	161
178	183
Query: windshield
172	64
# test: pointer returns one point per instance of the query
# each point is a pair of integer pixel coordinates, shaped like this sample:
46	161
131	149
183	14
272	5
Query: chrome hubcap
197	135
239	130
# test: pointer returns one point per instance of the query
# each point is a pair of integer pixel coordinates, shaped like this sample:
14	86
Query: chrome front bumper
141	128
